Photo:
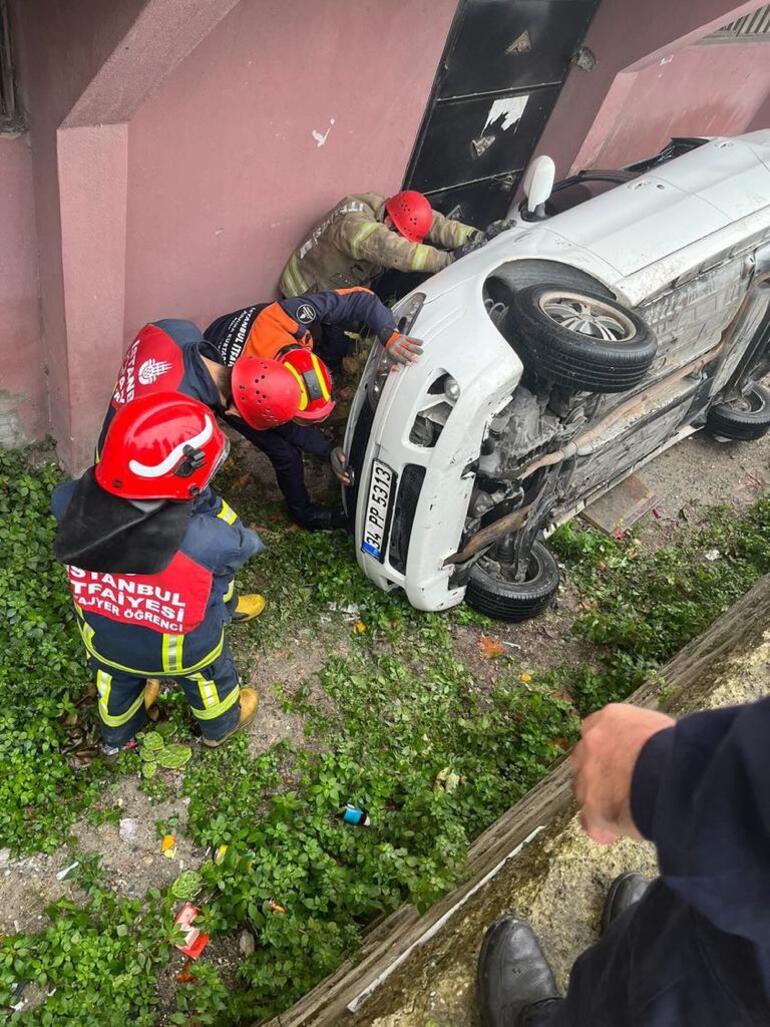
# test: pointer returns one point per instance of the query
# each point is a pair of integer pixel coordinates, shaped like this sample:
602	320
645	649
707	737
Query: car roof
673	205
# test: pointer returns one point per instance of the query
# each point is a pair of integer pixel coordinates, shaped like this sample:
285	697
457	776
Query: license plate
377	517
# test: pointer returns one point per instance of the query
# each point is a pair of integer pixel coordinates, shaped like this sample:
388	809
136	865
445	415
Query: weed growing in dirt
403	732
641	608
42	675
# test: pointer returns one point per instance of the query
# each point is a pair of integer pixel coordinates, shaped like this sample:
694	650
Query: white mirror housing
538	182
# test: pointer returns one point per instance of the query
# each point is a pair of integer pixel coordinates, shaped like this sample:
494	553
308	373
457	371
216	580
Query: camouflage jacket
352	245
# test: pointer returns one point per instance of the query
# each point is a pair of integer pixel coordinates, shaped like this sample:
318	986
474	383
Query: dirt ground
702	472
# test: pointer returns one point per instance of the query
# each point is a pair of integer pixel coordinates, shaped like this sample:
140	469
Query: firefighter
368	233
152	578
296	331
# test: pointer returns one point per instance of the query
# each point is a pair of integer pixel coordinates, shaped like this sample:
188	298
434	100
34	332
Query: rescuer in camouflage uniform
367	233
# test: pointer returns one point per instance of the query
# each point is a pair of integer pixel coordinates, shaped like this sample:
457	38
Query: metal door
502	70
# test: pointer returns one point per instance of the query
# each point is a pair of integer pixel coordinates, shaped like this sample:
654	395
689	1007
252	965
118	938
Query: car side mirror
538	183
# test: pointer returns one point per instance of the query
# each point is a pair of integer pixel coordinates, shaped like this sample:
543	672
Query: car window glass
576	193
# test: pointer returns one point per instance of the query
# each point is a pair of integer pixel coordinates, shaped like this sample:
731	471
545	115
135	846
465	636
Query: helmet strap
191	462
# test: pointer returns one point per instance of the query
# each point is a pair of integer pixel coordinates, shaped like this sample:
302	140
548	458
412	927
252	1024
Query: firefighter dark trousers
661	964
212	693
284	447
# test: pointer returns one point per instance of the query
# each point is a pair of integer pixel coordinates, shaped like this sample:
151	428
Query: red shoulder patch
153	363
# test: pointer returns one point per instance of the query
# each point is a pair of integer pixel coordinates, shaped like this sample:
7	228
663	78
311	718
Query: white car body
677	244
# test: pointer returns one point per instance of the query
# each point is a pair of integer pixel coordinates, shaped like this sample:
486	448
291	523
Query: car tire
582	340
508	279
490	593
743	420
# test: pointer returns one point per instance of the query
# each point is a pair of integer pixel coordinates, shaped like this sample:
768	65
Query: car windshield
571	193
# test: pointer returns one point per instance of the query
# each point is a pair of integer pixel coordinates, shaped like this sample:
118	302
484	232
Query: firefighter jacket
352	246
167	623
166	356
268	329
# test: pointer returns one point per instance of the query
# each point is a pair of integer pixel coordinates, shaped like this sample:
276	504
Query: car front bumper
432	484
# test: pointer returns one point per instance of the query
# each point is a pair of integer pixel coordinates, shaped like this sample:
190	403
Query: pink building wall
706	89
224	171
60	48
175	158
622	35
23	412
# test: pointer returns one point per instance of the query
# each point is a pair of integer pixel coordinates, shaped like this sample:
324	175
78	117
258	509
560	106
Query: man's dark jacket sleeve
701	793
345	307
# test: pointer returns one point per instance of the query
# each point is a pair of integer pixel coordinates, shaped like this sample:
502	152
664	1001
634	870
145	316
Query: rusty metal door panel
502	69
513	42
482	137
473	202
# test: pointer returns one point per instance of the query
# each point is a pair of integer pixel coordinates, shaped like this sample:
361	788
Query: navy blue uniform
695	952
168	625
269	329
317	320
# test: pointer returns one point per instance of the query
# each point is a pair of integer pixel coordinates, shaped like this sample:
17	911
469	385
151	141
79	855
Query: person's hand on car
604	761
339	462
403	350
468	247
496	227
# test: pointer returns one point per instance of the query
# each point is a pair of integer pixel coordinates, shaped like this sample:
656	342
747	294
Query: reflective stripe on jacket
172	622
352	245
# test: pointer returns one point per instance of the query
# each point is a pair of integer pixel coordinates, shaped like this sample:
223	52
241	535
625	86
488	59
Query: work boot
320	518
516	986
248	608
624	891
151	691
249	700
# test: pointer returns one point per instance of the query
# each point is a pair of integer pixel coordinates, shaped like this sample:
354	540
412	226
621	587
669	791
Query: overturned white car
560	357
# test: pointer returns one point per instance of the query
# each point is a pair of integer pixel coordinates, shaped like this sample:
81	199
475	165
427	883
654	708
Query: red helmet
315	384
161	446
265	392
411	213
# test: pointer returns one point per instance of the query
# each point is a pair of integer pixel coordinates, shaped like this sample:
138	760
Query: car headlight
405	311
376	373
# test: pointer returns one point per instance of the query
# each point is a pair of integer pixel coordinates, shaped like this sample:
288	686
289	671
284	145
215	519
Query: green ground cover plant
395	724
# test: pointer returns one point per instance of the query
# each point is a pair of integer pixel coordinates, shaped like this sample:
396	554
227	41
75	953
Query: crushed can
354	815
195	940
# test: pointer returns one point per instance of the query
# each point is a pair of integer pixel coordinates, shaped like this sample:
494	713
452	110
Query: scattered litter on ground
184	976
274	907
490	647
66	871
168	846
352	611
247	944
712	555
195	940
218	853
351	814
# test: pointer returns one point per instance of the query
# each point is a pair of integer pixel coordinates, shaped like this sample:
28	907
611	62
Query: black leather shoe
624	892
320	518
513	979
